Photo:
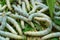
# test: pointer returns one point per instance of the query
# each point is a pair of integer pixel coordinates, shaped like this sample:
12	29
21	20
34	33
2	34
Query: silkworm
56	26
43	19
43	9
59	38
22	24
23	11
57	7
32	2
8	4
56	34
58	1
40	33
0	18
7	38
24	7
42	5
11	35
22	18
27	4
3	23
56	17
39	1
13	21
19	17
18	6
2	38
10	28
57	13
37	14
2	8
18	9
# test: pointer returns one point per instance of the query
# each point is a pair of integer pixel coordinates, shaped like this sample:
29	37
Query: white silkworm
10	28
58	1
57	34
8	4
22	24
0	18
56	26
57	13
24	7
19	17
7	38
2	8
37	14
42	5
32	2
43	19
18	9
22	18
57	7
43	9
3	23
39	1
59	38
18	6
13	21
2	38
41	33
11	35
27	4
57	17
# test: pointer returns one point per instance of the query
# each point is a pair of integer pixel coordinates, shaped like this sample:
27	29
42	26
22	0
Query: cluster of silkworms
21	12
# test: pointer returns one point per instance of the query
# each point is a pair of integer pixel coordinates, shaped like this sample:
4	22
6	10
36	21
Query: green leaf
55	39
51	4
57	21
